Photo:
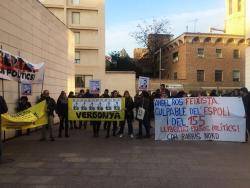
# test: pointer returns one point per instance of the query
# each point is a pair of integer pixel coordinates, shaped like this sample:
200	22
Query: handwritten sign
202	118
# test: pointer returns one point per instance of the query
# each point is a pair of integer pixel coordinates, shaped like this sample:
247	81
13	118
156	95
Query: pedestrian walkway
84	161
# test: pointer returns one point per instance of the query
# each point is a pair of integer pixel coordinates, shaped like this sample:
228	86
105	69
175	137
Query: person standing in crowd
62	111
129	116
115	94
213	93
81	123
22	105
72	123
51	106
145	104
106	96
164	91
87	95
246	101
3	106
3	110
96	124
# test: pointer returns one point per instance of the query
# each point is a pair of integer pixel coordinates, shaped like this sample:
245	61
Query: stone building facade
86	18
204	60
31	31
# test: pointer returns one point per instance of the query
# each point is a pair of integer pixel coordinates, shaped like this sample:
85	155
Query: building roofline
204	34
53	14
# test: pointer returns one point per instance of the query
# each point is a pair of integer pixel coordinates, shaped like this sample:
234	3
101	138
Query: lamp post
160	63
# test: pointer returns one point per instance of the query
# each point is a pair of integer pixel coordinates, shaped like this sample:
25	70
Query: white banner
18	69
202	118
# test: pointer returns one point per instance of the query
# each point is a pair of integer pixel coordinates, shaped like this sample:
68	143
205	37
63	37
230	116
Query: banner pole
1	143
43	83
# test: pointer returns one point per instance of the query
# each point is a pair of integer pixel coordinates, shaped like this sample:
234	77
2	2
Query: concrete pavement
84	161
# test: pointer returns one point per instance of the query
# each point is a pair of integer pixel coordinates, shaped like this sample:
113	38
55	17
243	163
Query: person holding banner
81	123
3	106
62	111
3	110
51	106
129	116
246	101
72	123
23	104
106	95
115	94
96	124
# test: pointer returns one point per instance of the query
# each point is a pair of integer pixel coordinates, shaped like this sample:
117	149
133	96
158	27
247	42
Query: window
230	7
82	81
236	76
175	76
75	2
236	54
239	5
77	37
219	53
218	75
200	75
200	52
175	57
77	57
75	17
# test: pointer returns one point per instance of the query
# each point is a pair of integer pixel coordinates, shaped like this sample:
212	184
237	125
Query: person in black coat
129	115
3	106
51	107
114	94
144	103
22	105
96	124
62	111
72	123
246	101
106	96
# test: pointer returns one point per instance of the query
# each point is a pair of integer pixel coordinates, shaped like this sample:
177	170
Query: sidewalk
84	161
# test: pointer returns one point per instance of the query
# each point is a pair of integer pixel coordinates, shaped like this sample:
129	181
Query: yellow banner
96	109
31	118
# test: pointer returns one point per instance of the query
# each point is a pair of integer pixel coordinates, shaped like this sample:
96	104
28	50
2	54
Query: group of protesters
142	99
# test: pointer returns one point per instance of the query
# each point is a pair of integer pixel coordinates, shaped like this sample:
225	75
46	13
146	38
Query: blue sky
122	16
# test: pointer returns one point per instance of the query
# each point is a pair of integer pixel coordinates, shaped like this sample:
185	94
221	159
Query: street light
160	66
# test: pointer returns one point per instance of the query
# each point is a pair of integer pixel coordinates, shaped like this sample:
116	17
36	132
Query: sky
122	17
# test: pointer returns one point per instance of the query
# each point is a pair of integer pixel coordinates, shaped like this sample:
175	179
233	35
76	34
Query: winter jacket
3	106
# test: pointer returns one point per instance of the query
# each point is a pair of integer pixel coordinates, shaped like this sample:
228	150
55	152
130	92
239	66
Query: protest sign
202	118
95	86
143	83
26	89
33	117
18	69
98	109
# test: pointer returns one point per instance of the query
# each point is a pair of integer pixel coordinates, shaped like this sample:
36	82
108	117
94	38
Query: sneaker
132	136
121	135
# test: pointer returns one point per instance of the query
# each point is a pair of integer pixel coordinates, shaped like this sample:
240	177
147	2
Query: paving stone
85	162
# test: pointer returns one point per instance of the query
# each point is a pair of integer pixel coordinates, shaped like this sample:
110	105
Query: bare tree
153	36
145	29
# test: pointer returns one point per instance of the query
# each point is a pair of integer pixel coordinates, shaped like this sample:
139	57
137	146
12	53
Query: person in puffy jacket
129	115
62	111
